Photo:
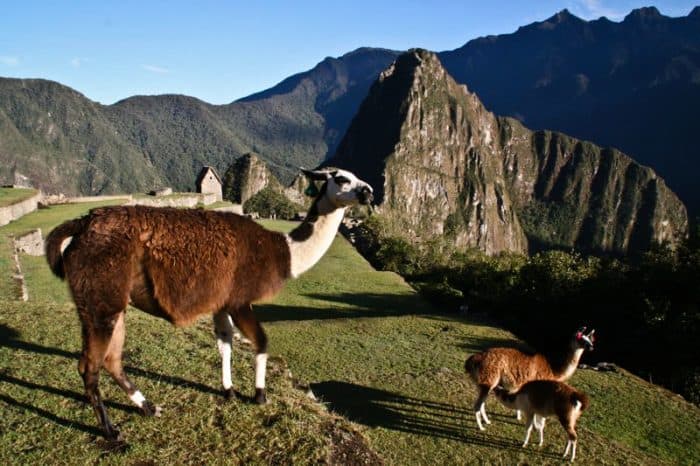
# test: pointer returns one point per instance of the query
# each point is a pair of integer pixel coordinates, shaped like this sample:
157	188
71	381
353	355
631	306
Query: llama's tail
54	255
580	397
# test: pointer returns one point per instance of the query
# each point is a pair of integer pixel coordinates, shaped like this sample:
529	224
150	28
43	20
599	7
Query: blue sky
222	51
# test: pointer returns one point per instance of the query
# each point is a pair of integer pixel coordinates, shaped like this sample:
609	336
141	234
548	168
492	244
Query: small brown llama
545	398
512	368
179	264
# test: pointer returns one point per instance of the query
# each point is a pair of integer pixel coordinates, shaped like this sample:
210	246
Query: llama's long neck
565	367
310	240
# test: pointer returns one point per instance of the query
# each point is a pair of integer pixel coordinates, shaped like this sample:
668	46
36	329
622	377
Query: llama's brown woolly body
545	398
510	368
180	264
173	263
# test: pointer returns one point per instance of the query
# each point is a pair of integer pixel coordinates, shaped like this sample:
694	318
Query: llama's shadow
380	408
478	344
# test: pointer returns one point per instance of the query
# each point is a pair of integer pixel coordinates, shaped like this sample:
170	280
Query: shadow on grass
379	408
50	416
347	306
478	344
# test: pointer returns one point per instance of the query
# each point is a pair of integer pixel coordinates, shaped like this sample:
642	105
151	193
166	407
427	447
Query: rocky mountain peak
644	14
427	145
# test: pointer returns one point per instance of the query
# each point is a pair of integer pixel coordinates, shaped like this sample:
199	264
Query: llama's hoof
229	393
260	397
149	409
112	435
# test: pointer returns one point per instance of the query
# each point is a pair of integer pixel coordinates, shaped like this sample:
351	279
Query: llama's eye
341	180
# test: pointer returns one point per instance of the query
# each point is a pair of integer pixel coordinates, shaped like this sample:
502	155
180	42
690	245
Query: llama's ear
316	175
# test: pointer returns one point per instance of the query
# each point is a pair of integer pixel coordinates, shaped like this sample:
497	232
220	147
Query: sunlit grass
371	349
9	196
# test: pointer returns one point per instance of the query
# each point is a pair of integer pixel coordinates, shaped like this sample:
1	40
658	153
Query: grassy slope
371	348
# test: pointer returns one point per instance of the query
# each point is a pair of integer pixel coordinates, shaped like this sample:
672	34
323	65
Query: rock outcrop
246	176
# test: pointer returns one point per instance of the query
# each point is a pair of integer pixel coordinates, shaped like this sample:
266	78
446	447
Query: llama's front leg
530	423
224	336
483	413
479	405
245	320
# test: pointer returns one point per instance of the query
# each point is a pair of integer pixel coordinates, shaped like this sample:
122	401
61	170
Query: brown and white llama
180	264
545	398
512	368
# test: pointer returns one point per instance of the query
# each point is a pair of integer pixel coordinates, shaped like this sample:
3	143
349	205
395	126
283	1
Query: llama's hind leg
96	336
113	364
540	427
245	320
480	405
223	326
568	425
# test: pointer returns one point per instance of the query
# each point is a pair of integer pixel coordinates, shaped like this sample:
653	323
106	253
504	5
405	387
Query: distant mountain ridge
443	166
632	85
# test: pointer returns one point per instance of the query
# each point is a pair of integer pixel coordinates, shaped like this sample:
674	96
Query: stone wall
15	211
177	200
31	243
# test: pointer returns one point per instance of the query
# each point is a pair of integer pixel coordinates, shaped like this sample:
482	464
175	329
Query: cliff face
444	166
573	193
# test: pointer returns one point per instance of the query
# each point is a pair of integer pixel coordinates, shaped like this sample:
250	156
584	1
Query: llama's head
584	340
341	188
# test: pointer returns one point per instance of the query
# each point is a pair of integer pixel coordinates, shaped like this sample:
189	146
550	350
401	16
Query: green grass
9	196
370	348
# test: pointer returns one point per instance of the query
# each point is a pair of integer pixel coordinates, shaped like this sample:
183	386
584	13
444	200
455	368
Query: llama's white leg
566	451
530	424
573	451
224	336
540	427
517	414
483	413
478	419
260	370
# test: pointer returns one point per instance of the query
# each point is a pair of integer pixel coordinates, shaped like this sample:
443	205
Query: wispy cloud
155	69
9	61
594	9
77	62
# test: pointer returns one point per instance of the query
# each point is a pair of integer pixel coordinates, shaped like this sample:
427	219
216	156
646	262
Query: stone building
208	182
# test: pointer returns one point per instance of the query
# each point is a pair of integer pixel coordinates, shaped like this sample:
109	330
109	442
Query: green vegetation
367	344
9	196
271	203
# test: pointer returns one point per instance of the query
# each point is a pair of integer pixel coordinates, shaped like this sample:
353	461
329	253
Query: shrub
269	202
